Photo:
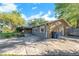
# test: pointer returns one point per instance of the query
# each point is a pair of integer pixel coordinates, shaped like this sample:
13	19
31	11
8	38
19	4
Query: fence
74	32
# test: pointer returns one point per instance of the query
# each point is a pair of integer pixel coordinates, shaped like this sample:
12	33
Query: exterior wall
56	27
49	28
40	31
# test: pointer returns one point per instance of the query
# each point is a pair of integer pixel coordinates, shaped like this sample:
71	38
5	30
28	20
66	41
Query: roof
61	20
66	22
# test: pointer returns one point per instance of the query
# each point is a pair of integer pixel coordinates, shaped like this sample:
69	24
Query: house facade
46	30
40	31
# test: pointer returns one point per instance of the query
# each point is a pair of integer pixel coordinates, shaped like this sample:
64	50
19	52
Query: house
46	30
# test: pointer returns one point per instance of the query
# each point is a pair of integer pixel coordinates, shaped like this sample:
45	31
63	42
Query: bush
10	34
7	35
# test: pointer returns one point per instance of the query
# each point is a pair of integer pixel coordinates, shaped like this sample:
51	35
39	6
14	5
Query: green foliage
37	21
7	35
12	19
69	12
6	29
8	23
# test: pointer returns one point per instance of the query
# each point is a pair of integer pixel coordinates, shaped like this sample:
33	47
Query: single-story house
46	30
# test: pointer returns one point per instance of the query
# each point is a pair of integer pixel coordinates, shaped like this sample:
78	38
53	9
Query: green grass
10	34
7	35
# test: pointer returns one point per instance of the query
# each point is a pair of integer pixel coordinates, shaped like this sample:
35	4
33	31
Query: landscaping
7	35
4	35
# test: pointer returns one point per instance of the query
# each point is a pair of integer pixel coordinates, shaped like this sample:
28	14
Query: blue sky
31	10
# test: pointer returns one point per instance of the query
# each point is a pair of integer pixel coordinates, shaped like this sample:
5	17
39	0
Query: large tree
11	19
69	12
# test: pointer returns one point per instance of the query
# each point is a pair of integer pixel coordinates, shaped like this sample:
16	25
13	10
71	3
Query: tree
16	19
12	19
69	12
37	21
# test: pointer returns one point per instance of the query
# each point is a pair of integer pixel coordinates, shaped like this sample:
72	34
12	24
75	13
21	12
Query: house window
42	29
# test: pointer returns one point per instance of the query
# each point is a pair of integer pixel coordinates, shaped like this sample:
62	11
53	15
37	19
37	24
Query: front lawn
8	35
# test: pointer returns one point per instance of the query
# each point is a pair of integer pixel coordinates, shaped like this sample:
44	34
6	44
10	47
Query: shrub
7	35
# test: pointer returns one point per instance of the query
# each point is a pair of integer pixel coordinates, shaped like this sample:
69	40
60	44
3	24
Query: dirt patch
51	47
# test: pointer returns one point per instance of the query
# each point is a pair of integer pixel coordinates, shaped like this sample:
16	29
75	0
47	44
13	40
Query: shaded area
17	44
10	45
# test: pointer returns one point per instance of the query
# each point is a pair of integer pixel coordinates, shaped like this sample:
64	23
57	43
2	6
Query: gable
65	23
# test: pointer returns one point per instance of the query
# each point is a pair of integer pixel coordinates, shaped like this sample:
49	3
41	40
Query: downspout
46	31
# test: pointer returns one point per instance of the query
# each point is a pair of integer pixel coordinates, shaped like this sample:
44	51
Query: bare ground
54	47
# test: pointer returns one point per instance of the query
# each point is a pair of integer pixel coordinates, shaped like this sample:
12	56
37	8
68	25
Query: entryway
56	35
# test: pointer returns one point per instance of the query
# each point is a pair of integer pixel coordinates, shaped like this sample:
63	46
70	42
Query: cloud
47	18
50	18
48	14
34	7
32	17
36	15
8	7
20	9
24	16
40	15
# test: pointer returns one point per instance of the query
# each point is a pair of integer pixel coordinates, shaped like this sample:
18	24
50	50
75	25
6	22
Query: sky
31	10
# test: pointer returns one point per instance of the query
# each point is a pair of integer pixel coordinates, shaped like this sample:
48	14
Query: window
42	29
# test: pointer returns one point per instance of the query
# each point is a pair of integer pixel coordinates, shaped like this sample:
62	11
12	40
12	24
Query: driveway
17	46
31	45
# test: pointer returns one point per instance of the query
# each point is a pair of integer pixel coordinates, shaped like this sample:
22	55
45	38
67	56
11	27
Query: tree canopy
11	19
37	21
69	12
